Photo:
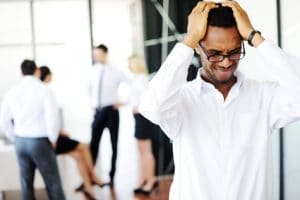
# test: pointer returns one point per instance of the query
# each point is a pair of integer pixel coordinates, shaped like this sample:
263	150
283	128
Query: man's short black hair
221	17
45	71
102	47
28	67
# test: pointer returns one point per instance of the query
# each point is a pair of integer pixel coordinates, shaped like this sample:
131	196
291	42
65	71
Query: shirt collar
30	78
208	87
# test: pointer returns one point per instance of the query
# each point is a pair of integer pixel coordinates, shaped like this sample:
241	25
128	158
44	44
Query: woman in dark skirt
79	151
144	129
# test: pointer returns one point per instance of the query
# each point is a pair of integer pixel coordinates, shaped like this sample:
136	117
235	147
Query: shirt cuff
267	47
183	49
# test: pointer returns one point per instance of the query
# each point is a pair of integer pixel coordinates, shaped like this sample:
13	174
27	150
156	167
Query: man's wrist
190	42
251	35
257	40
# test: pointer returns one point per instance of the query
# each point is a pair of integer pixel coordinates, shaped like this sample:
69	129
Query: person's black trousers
106	117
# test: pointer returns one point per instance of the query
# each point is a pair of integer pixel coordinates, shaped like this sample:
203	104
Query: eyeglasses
233	56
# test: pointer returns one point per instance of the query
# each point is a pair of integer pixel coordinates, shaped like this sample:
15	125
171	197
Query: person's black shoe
80	188
139	189
88	195
101	185
148	192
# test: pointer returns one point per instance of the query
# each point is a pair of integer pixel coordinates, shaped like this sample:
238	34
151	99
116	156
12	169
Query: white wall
291	41
63	43
15	39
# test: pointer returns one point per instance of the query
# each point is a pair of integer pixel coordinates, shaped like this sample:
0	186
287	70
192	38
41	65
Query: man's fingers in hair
238	11
210	6
233	5
199	7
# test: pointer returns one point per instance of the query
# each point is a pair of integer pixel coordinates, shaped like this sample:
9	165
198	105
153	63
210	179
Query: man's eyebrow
236	49
215	51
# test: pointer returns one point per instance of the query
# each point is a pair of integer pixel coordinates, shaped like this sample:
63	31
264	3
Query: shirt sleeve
161	102
51	116
89	88
6	120
285	94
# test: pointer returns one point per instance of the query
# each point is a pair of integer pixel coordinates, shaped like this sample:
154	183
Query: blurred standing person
103	91
144	129
79	151
29	115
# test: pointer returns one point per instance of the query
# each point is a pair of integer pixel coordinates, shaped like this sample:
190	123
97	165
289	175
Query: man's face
100	56
220	41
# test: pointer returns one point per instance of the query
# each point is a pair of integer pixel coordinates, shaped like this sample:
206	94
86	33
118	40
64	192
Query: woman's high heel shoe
80	188
148	192
88	195
101	185
138	189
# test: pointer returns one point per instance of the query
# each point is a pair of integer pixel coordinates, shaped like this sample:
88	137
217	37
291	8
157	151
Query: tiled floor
106	194
125	183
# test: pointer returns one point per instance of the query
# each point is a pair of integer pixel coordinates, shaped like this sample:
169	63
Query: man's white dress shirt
30	110
222	149
111	80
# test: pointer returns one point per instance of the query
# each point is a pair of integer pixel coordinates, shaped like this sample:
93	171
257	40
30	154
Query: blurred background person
79	151
29	115
103	92
144	129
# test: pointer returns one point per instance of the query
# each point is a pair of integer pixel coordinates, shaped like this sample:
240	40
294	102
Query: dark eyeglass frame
242	53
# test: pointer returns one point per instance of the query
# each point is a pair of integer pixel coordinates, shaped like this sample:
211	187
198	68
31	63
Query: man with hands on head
221	123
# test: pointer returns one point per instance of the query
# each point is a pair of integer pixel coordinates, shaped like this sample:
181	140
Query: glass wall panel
15	41
63	43
11	58
15	22
117	34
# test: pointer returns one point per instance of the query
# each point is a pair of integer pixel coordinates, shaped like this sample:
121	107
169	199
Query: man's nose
226	62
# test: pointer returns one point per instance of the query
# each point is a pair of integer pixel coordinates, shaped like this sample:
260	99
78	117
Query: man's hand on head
243	22
197	23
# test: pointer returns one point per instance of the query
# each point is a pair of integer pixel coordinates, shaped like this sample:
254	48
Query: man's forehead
222	37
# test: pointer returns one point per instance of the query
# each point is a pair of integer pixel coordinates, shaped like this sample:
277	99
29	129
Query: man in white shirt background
29	117
221	123
103	91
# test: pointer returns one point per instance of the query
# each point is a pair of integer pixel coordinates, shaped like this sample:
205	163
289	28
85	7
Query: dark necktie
100	88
